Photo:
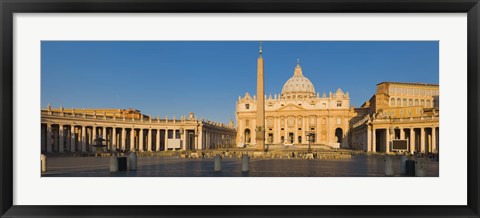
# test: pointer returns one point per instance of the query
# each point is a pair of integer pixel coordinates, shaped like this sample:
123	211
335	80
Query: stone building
398	111
296	113
75	130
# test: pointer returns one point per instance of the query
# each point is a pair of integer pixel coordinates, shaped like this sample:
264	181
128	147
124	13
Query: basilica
297	116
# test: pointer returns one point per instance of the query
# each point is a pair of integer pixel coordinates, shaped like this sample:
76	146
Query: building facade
76	130
296	113
407	111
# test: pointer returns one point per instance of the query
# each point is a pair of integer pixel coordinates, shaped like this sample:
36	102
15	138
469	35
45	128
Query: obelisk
260	122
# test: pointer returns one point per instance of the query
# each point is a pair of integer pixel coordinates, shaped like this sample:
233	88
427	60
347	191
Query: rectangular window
299	128
339	103
247	106
170	134
282	128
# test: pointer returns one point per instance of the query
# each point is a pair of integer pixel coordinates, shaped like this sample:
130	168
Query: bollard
410	168
113	163
403	162
217	167
122	163
132	161
419	168
245	161
43	161
388	166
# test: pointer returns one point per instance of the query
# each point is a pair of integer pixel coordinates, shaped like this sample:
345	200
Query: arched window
410	102
422	103
416	102
399	102
392	102
429	103
404	103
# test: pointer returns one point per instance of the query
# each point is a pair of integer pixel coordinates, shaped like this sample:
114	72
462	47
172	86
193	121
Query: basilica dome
298	85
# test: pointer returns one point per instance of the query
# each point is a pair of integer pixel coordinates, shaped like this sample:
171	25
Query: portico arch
339	135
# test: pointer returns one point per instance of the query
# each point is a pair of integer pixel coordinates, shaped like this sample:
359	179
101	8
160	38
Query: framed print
246	109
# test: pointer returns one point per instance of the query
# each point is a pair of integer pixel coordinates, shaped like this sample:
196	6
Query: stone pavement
357	166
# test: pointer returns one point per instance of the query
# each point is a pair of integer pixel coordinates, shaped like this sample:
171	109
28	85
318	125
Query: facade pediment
291	107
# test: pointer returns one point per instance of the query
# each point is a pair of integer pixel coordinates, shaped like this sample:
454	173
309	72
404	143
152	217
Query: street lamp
228	141
181	133
310	135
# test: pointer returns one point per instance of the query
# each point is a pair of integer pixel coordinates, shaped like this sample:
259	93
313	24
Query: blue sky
206	77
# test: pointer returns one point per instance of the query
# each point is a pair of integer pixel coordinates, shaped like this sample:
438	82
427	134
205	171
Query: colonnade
420	139
60	137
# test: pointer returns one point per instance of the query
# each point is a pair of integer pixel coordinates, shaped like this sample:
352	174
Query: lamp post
310	135
228	141
223	140
196	140
181	133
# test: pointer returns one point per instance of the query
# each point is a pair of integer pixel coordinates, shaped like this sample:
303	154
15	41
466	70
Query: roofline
408	83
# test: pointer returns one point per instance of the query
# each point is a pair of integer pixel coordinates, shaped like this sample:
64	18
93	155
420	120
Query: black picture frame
9	7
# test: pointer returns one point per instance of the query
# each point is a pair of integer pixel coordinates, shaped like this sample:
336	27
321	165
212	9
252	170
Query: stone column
183	138
140	140
207	141
49	138
369	139
276	127
84	139
200	139
295	131
43	136
114	139
166	139
56	139
412	140
132	139
402	133
91	137
157	136
387	141
434	140
61	139
149	140
72	139
422	140
104	133
374	139
124	139
67	136
318	131
304	129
